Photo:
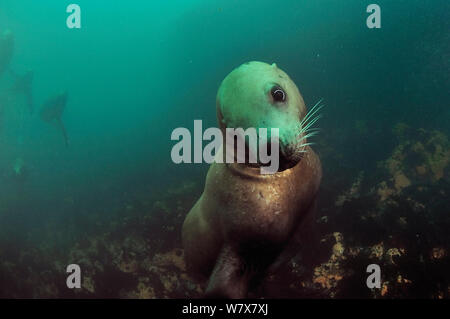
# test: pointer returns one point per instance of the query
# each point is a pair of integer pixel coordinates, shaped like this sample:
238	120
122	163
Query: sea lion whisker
306	124
304	145
318	103
314	129
308	134
317	107
310	130
312	122
310	114
307	131
304	137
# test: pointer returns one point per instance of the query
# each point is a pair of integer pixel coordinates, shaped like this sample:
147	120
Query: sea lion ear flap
221	122
274	65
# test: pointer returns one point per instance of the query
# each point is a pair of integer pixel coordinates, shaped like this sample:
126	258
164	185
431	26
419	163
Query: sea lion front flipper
62	128
229	278
304	233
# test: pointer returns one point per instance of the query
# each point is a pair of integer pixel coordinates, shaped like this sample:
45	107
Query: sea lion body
239	204
244	219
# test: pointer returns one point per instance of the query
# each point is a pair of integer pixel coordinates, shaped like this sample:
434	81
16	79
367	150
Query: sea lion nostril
278	94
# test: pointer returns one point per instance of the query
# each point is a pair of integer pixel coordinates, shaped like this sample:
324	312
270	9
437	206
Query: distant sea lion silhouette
244	220
52	110
6	50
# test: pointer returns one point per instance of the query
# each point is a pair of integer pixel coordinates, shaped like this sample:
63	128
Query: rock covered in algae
396	217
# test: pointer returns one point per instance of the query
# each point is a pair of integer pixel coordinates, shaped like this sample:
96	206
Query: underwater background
113	201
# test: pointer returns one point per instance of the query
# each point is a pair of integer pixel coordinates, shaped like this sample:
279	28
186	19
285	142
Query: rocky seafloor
396	216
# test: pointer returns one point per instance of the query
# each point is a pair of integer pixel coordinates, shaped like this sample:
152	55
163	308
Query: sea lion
52	111
6	50
244	219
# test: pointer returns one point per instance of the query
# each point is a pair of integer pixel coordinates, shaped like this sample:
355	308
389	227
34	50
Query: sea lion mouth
285	160
266	155
288	158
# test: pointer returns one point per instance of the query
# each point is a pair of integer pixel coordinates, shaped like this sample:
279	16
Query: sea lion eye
278	94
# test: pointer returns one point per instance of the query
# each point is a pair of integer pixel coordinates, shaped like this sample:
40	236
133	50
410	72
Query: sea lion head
261	95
